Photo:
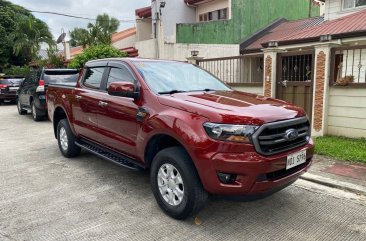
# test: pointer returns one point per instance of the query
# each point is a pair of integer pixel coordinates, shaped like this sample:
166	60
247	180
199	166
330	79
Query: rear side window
93	77
60	77
119	75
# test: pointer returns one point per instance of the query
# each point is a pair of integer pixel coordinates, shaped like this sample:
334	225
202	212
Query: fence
235	70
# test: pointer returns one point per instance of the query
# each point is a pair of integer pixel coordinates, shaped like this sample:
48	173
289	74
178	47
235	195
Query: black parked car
32	91
8	87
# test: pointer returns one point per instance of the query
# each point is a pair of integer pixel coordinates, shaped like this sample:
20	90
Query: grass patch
341	148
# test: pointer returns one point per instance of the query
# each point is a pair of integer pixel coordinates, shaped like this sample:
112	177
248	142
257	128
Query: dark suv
8	87
32	91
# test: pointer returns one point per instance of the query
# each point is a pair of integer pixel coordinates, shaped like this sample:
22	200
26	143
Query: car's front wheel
176	184
66	140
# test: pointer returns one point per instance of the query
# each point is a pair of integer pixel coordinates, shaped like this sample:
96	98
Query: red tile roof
310	30
285	29
143	12
348	24
192	2
123	34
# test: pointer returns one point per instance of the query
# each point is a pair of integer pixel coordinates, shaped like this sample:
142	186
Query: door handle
78	97
102	104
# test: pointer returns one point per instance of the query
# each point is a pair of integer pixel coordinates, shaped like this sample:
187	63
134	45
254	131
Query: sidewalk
344	175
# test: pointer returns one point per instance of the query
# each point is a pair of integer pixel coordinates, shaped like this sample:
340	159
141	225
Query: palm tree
79	37
30	33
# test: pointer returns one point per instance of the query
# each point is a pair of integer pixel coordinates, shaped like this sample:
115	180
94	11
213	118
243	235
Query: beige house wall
258	90
125	43
347	111
333	9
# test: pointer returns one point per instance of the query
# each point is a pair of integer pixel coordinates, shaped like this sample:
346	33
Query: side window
118	75
93	77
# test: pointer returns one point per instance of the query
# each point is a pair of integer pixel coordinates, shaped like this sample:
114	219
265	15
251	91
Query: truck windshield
174	77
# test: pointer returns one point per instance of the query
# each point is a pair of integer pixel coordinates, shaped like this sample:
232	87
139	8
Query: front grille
271	138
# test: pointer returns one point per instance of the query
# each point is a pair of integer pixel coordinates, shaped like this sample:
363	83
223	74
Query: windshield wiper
205	90
170	92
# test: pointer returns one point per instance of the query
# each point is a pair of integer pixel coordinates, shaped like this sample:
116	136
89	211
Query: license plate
296	159
13	88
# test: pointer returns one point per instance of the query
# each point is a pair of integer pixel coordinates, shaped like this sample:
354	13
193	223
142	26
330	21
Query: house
173	29
318	63
124	40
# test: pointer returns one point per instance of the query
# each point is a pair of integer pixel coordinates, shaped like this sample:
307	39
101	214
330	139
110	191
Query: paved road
44	196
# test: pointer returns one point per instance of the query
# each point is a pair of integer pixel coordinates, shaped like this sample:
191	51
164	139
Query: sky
120	9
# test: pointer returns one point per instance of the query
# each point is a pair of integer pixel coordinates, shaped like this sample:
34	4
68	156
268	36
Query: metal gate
295	74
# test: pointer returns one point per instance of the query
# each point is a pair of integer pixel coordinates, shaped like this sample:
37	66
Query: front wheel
66	140
176	184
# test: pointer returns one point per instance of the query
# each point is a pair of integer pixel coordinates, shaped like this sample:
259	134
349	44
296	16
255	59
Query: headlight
225	132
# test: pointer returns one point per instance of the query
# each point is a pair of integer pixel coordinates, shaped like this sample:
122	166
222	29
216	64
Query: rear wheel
66	140
21	111
35	113
176	184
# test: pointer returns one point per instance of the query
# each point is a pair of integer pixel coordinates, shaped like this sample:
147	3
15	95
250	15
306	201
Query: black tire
21	111
35	113
72	149
194	195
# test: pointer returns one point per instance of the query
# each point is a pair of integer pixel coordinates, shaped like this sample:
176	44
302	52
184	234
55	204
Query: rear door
117	117
85	104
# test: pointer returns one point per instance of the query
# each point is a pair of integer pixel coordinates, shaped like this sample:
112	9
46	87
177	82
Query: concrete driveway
44	196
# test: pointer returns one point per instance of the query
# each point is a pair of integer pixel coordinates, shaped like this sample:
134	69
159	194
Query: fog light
226	178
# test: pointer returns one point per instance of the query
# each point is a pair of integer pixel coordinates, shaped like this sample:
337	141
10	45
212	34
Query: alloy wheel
170	184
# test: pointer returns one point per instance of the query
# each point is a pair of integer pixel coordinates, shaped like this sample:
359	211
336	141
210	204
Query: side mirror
123	89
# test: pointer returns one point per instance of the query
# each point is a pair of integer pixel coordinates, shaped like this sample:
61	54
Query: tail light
40	87
2	86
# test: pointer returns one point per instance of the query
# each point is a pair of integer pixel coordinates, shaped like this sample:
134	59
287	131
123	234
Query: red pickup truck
195	134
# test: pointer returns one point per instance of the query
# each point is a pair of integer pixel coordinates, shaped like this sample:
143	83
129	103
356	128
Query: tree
96	33
11	18
79	37
95	52
29	34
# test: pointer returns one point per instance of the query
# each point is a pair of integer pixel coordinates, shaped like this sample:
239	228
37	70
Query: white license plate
296	159
13	88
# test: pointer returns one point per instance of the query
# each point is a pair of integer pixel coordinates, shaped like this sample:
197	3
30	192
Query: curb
357	189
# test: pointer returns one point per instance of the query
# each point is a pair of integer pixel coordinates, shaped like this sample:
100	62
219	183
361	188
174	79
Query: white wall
147	48
126	42
333	9
175	11
250	89
182	51
144	29
347	112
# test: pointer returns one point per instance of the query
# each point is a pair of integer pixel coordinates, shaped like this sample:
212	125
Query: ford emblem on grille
291	134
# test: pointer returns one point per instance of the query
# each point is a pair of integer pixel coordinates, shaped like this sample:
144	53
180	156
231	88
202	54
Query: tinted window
11	81
93	77
118	75
61	77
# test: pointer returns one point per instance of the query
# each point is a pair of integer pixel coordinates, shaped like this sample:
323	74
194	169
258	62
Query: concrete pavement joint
359	190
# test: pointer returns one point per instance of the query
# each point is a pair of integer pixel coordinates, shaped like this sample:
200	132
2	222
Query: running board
108	155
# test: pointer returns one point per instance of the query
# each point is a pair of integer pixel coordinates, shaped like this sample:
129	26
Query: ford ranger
195	135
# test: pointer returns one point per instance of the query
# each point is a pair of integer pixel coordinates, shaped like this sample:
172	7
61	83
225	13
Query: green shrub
17	70
95	52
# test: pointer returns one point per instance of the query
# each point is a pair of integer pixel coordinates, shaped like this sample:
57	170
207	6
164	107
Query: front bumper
256	174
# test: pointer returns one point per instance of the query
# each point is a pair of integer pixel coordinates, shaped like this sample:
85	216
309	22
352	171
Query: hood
233	107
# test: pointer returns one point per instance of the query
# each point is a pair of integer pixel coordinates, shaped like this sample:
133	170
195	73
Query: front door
117	116
295	80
